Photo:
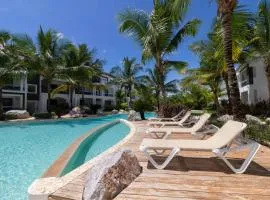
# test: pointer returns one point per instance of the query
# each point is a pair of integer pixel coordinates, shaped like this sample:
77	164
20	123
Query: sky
94	22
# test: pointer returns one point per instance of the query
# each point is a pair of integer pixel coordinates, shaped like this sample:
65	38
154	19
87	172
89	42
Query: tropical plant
46	57
125	76
262	31
144	100
211	51
160	33
11	63
80	68
225	9
151	80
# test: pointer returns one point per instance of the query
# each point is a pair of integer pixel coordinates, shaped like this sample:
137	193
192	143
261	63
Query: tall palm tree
11	62
262	31
47	57
126	75
80	68
160	33
225	9
151	79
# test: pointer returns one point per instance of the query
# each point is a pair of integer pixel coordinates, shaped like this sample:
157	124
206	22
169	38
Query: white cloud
60	35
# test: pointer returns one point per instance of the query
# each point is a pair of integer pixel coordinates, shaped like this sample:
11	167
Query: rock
17	114
100	112
134	116
114	112
268	120
225	118
253	119
121	111
111	175
76	110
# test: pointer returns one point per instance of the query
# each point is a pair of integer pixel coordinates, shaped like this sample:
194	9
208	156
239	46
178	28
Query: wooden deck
193	175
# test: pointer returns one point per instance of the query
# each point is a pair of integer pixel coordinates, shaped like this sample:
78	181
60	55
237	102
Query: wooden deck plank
191	175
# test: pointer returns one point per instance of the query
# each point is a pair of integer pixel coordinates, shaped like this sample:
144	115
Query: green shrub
124	106
94	108
141	106
259	133
108	107
44	115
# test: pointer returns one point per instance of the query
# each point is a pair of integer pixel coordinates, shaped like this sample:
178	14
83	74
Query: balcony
12	87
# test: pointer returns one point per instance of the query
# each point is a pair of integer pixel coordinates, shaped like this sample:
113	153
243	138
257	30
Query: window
106	93
98	92
88	101
108	103
99	102
88	91
32	88
244	78
104	80
244	97
7	102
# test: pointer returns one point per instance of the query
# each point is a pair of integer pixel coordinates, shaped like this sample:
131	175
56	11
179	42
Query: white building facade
252	82
31	94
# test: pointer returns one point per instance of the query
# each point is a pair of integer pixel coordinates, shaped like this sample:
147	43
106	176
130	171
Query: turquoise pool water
28	149
92	147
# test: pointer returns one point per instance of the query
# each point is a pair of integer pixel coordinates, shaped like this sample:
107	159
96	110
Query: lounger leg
253	147
166	162
157	136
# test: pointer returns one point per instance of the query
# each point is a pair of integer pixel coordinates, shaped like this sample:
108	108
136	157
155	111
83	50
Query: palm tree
80	68
211	51
262	31
160	33
226	8
151	79
47	57
126	75
11	62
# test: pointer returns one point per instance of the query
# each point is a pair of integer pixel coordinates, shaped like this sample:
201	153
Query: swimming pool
28	149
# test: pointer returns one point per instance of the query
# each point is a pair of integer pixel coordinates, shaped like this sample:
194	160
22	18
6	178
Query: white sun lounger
220	144
175	123
175	118
166	131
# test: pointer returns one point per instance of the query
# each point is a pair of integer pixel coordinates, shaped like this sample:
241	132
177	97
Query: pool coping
61	162
42	188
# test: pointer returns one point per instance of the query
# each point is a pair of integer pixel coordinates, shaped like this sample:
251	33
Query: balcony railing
12	87
244	83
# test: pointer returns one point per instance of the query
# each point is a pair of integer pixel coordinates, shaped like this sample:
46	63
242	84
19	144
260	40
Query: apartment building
30	93
252	82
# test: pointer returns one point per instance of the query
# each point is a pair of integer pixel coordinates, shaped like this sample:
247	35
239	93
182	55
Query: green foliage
194	96
123	106
160	33
45	115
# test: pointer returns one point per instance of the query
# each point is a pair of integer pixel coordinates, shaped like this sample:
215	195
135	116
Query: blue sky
94	22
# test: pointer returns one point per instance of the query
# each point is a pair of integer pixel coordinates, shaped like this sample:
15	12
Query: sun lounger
175	118
175	123
166	131
220	144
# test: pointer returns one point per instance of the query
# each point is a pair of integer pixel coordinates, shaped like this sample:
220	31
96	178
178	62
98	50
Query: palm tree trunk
129	94
158	100
1	103
71	90
218	107
49	96
225	78
234	90
82	91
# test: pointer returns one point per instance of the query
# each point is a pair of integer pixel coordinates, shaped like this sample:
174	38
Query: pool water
28	149
92	147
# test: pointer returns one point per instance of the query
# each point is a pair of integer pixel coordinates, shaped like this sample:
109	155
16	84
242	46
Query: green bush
124	106
108	107
259	133
44	115
94	108
141	106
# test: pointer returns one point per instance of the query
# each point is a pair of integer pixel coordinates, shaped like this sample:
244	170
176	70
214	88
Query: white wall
259	82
